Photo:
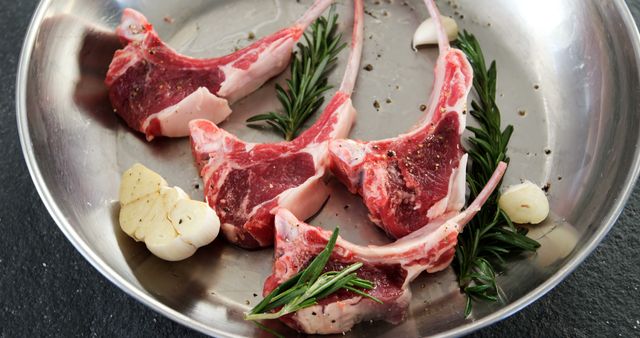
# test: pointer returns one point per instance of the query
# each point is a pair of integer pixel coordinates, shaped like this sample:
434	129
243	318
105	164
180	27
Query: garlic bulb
171	224
525	203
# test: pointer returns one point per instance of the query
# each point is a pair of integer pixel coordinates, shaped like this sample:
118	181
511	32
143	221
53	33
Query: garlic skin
171	224
524	203
426	34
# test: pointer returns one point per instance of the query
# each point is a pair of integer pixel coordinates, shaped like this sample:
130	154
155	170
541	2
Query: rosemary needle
490	236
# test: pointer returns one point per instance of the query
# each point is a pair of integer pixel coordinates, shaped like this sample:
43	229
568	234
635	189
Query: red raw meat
246	182
391	267
158	91
411	179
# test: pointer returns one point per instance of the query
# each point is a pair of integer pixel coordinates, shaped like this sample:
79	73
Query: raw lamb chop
409	180
158	91
245	182
391	267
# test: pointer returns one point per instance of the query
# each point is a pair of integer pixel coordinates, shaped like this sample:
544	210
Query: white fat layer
454	200
201	104
346	117
458	185
341	316
307	198
439	207
271	61
335	317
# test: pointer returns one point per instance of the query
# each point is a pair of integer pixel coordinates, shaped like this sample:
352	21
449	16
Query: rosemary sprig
490	237
310	68
309	285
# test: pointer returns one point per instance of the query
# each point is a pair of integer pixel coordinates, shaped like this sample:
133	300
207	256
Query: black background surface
47	288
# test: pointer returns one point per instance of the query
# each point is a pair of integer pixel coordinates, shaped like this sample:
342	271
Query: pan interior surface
567	72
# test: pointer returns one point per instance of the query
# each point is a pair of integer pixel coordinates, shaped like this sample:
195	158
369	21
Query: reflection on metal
557	240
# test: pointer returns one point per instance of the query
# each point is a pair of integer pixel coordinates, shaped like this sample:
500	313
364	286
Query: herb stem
490	236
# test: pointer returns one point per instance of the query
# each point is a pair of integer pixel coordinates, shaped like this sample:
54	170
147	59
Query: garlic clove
525	203
197	225
426	34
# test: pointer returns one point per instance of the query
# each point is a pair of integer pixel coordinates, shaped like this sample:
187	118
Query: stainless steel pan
568	76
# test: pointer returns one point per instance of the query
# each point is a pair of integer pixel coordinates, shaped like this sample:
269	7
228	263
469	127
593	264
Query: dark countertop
47	288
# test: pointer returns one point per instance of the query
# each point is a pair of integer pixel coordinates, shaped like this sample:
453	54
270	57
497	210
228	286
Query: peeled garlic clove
426	34
524	203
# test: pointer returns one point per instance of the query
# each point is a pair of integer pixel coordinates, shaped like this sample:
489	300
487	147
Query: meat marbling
158	91
246	182
411	179
391	267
